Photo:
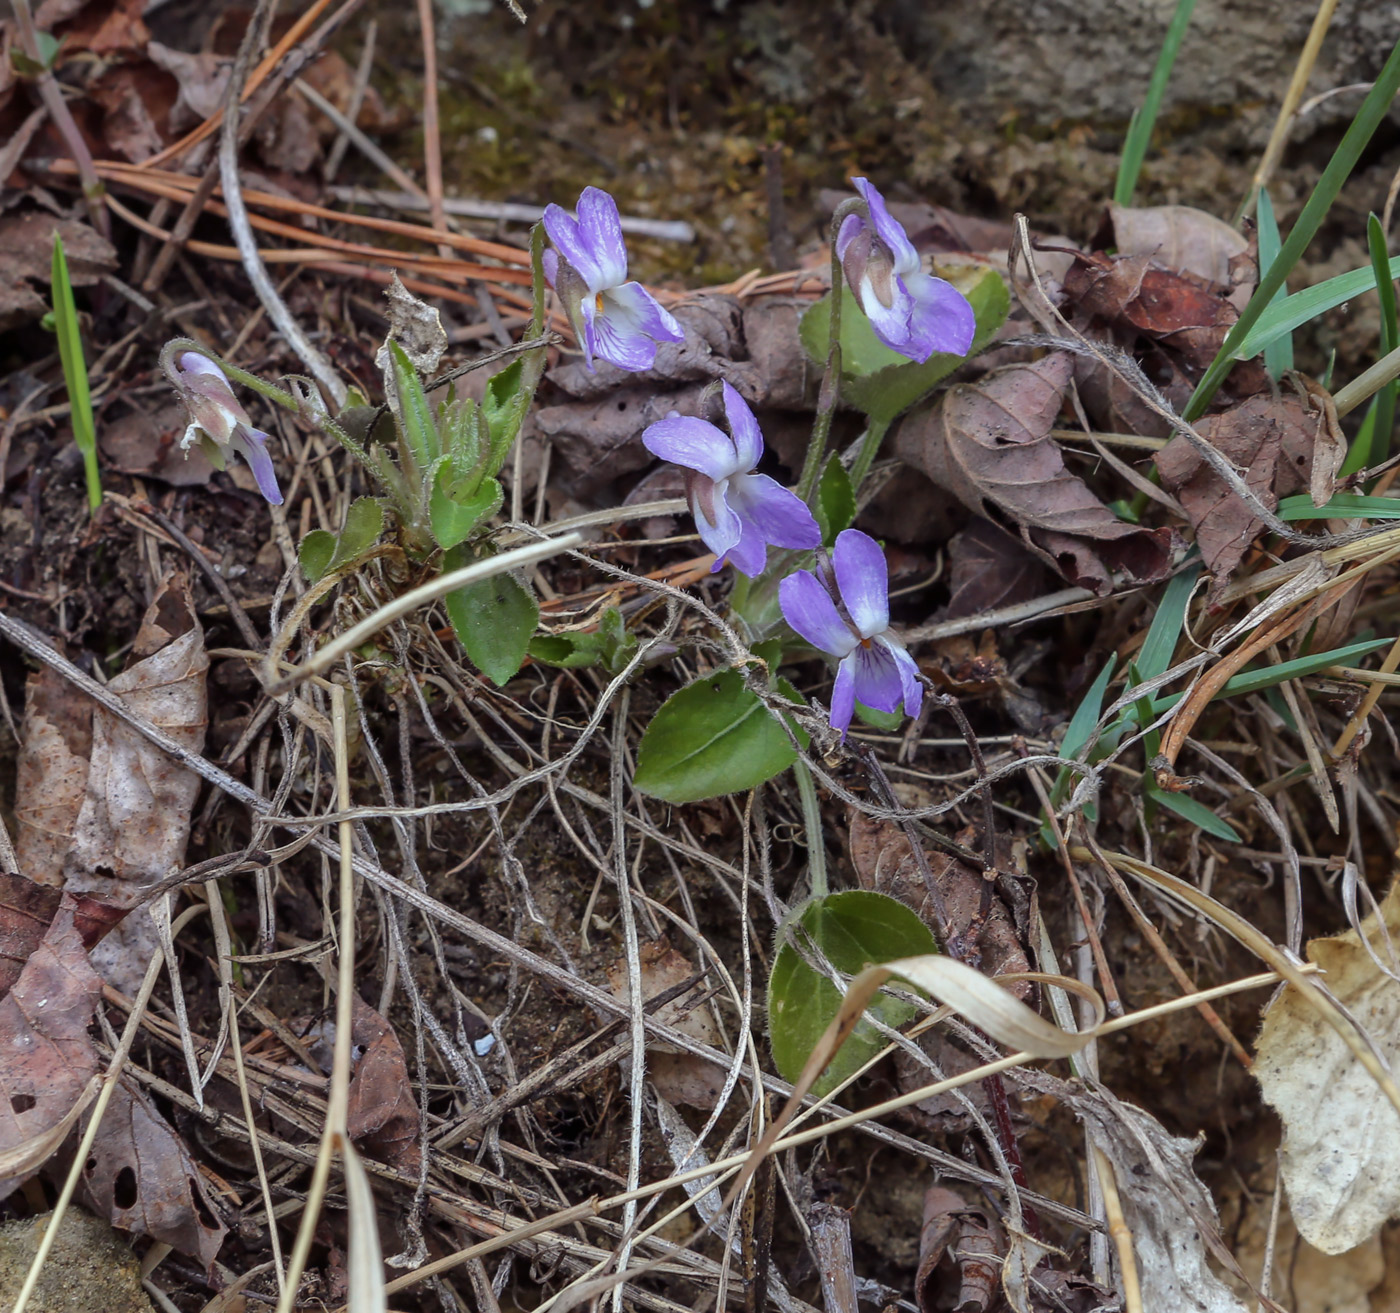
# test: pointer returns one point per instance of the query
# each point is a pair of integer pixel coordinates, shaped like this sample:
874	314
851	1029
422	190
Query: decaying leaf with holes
989	444
1341	1145
135	818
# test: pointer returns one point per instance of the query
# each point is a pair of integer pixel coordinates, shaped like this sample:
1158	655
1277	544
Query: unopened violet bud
911	312
218	417
618	321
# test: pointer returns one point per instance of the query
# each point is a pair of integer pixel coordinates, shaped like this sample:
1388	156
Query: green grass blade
1197	813
70	352
1373	109
1252	681
1278	355
1144	120
1343	506
1289	312
1157	648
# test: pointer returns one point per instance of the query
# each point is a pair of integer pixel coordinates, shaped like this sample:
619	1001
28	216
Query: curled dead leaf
382	1116
989	444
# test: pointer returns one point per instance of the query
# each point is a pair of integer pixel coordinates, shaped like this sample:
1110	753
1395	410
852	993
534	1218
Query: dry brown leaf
382	1115
1179	238
51	779
989	444
1341	1146
135	818
989	568
679	1077
26	909
961	1249
26	253
148	444
104	27
135	101
201	80
48	1058
1271	442
141	1177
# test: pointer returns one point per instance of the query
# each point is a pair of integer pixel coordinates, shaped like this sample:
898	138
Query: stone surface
88	1269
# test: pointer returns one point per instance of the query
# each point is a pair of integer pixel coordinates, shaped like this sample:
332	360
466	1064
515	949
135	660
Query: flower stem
869	449
830	392
812	822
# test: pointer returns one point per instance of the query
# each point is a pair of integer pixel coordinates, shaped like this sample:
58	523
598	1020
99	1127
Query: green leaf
1278	355
494	619
504	408
1197	813
70	352
714	737
1086	715
888	721
836	500
1245	338
453	519
1381	415
415	415
315	554
1145	119
853	930
881	382
1343	506
364	522
572	651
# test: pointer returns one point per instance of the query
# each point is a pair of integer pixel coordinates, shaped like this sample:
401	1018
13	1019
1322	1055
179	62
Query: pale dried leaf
1341	1145
1179	238
416	327
1169	1212
202	79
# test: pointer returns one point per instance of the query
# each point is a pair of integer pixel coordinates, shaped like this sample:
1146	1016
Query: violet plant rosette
219	415
618	321
873	665
911	312
738	513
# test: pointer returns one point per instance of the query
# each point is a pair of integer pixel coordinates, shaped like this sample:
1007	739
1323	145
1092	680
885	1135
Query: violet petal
908	674
879	682
600	227
851	228
864	581
779	515
891	322
888	229
694	443
843	695
743	427
250	443
632	305
942	318
808	608
564	232
750	554
717	524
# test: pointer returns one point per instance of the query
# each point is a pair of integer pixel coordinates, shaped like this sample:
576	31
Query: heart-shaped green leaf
836	500
714	736
853	929
321	552
452	519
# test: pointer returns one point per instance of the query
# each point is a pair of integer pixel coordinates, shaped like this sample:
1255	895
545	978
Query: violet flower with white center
619	321
737	512
218	414
873	665
911	312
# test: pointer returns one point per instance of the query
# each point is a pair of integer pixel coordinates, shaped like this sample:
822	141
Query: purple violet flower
873	665
911	312
737	512
218	414
612	318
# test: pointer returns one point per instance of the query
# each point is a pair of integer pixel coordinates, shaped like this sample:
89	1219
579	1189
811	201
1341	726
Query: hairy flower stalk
218	417
737	512
618	321
873	666
911	312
